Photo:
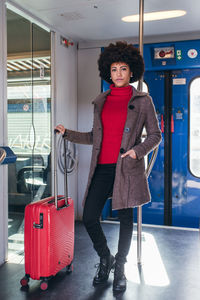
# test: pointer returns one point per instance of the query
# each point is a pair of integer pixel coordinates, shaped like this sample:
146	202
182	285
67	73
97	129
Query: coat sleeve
79	137
154	136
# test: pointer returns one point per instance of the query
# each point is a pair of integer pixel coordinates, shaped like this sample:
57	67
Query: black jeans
100	190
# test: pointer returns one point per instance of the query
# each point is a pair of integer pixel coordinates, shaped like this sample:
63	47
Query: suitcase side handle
55	172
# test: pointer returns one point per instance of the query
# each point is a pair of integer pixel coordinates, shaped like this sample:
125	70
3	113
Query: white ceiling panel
86	20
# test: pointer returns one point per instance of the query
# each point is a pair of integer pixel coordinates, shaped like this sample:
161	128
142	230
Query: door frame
3	135
4	5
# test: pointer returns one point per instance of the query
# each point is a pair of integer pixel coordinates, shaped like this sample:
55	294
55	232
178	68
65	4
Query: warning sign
179	81
178	54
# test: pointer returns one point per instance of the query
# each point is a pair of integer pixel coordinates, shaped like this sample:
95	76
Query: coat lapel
100	100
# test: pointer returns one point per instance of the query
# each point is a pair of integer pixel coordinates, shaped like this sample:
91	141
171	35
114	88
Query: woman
117	163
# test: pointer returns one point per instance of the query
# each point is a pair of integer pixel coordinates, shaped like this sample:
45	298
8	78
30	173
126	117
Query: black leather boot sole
119	285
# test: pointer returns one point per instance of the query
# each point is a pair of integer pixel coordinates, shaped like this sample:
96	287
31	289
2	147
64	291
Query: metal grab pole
140	84
141	34
139	234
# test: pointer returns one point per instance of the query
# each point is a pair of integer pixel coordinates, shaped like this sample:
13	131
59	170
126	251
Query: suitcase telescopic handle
55	172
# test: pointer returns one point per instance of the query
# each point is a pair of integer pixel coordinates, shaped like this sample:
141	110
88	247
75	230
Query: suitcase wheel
44	285
69	268
24	281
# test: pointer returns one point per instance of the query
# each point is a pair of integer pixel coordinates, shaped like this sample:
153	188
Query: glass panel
29	110
19	91
194	142
40	180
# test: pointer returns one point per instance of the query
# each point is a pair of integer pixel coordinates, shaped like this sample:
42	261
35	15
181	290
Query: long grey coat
130	185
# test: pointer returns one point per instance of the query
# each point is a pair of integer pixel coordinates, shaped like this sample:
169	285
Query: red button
162	53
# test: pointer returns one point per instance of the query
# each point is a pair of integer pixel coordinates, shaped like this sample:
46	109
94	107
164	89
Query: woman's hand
131	153
60	128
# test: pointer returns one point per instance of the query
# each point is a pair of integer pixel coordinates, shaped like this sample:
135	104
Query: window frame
189	127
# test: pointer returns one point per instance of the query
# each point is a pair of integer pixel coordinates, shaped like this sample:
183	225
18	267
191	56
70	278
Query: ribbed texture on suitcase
61	240
50	249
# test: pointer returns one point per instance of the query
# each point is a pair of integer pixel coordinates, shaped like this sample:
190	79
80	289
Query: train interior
171	221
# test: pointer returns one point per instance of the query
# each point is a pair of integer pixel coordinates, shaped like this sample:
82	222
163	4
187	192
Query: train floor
170	269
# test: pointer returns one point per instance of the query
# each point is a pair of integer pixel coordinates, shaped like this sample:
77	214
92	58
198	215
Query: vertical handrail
139	235
140	84
154	154
141	34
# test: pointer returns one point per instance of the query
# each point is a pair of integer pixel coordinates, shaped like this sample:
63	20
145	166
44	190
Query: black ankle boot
104	268
119	283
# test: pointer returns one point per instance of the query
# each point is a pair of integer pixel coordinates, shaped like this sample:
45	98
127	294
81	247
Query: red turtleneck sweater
113	119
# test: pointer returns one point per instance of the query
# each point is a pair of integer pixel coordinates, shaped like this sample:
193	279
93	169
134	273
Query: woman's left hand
131	153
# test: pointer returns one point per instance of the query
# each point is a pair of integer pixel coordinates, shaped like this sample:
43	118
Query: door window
194	125
29	122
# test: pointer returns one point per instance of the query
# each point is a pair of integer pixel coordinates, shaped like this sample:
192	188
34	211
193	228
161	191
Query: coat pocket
133	166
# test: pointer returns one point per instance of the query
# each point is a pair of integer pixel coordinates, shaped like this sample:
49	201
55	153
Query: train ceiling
89	20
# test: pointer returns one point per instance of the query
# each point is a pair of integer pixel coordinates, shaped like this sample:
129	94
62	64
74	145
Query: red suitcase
48	236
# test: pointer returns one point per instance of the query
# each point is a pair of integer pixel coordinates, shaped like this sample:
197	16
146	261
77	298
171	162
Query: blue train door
153	213
175	178
186	148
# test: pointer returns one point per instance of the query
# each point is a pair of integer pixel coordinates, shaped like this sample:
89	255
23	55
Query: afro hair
121	52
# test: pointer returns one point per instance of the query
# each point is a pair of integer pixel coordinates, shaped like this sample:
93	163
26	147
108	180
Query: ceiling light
158	15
